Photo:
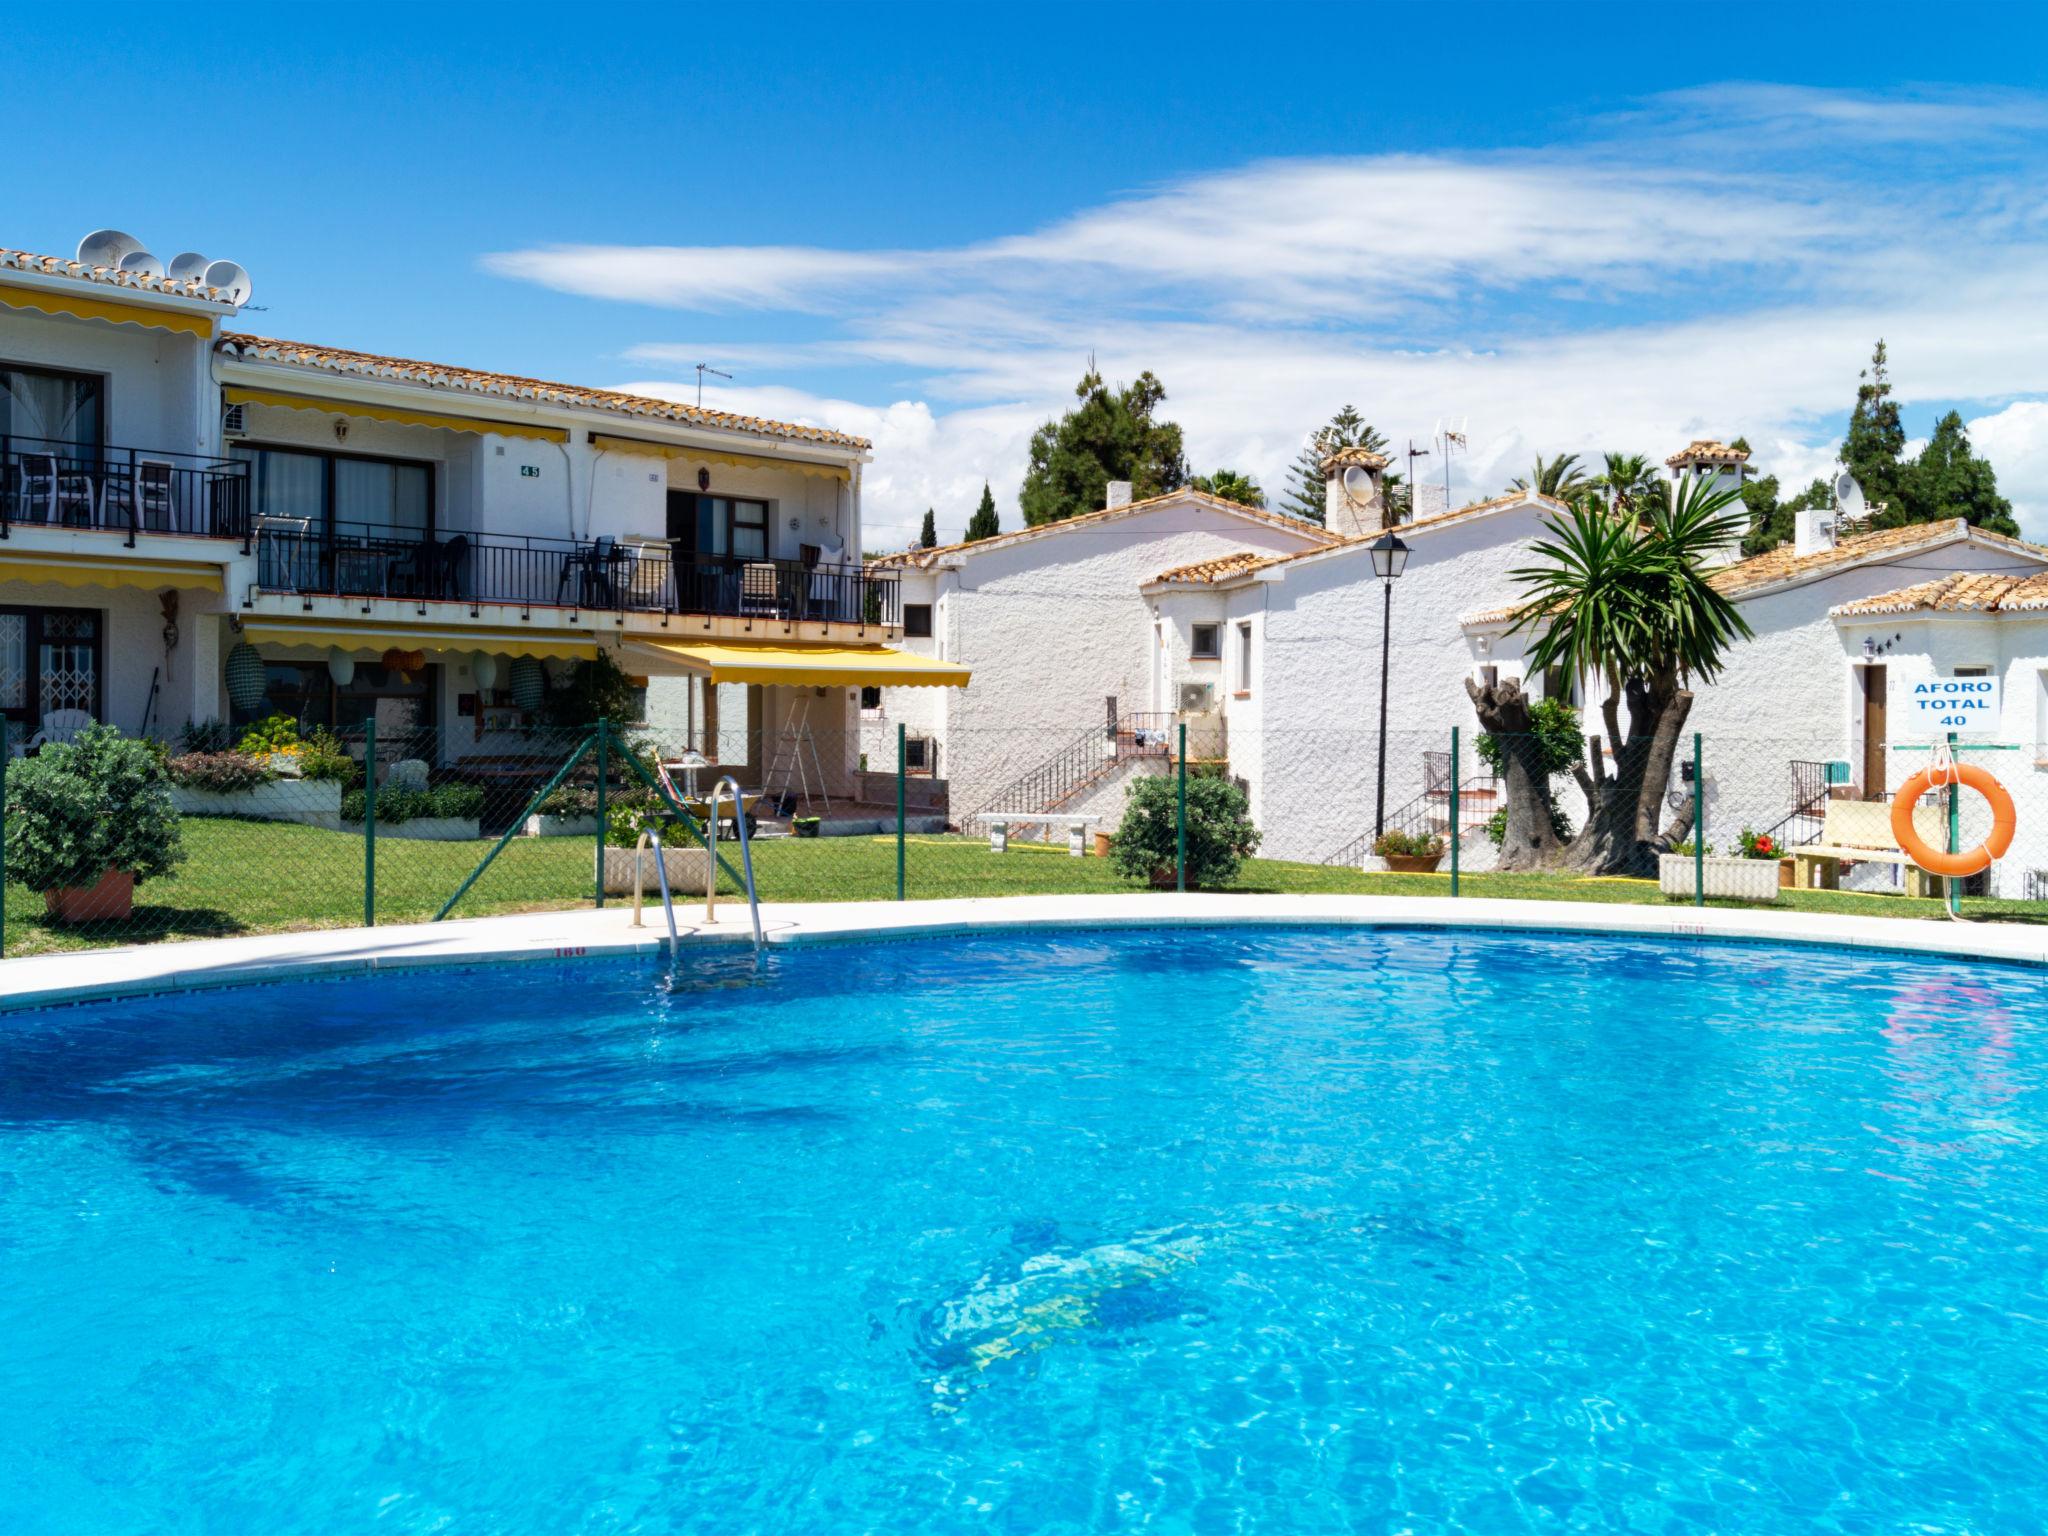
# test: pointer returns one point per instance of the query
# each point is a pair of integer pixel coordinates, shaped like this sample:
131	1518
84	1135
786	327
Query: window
310	696
917	621
1206	642
871	701
1244	659
332	492
723	526
59	409
49	660
1973	671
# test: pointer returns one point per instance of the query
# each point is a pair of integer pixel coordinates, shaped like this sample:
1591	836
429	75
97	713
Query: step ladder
789	770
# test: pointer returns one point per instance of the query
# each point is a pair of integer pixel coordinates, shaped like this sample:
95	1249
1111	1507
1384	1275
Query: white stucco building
421	544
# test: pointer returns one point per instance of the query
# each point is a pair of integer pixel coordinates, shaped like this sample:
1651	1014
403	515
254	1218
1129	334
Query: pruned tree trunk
1531	841
1625	795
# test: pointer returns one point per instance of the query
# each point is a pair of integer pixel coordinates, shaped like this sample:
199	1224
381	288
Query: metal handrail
668	906
739	820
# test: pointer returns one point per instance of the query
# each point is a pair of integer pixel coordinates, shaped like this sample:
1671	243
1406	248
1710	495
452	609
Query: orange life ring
1969	860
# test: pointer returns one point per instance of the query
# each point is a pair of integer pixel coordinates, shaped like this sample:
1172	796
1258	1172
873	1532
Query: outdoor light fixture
1389	560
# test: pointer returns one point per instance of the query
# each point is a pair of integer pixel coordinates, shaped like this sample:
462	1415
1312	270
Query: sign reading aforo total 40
1967	706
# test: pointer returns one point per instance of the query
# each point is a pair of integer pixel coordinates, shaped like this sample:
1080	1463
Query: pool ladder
652	834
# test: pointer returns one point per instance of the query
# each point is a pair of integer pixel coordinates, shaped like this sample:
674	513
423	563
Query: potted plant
806	826
1220	834
89	820
1410	853
685	859
1748	874
274	742
237	784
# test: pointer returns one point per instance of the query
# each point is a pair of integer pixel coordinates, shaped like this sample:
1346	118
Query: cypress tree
983	524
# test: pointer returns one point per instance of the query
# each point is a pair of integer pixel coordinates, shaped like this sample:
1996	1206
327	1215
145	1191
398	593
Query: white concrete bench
998	823
1860	832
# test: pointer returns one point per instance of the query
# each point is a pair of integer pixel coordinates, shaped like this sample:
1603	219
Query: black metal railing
1081	764
45	483
366	560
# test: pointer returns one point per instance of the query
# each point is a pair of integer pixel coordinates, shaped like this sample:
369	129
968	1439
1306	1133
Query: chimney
1354	505
1813	530
1119	495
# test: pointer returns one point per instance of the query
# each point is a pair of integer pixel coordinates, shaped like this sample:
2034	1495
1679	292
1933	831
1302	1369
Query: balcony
368	561
47	484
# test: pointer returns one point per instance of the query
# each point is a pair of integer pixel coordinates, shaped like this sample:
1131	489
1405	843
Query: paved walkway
45	979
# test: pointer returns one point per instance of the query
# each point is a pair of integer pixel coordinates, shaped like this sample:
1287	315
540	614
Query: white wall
154	394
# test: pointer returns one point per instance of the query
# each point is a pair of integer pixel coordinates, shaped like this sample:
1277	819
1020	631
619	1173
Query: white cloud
1627	293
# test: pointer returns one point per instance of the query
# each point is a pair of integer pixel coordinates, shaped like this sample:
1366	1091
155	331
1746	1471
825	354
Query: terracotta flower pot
110	899
1413	863
1102	845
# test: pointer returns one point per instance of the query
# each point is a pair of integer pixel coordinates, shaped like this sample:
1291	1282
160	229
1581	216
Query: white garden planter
433	829
561	826
1735	879
686	871
310	802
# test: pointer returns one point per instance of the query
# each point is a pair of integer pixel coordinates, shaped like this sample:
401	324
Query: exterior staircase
1082	764
1478	798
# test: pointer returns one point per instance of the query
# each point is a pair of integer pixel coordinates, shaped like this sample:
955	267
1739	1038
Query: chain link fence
109	840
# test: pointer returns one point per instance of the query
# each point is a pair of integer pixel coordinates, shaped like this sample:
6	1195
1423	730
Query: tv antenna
716	373
1452	440
1415	453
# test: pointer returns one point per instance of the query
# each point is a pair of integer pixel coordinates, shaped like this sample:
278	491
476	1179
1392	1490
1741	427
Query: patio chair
60	726
44	493
760	590
141	499
444	579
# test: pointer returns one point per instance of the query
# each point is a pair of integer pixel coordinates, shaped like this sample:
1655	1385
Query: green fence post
603	772
370	822
1699	824
902	731
1180	817
1454	810
1955	827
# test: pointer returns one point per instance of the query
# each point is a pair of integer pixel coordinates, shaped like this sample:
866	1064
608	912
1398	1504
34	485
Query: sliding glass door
67	411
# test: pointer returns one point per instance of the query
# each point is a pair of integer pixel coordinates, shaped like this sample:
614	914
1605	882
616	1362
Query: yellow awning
417	637
88	307
806	666
107	570
400	415
708	456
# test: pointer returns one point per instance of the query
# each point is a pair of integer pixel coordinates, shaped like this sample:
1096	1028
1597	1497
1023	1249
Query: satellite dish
1848	496
1358	482
187	267
141	264
230	279
106	248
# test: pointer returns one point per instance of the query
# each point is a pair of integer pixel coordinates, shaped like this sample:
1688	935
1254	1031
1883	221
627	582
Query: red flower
1763	844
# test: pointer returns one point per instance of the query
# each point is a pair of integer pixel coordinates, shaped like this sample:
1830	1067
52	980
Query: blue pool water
1187	1231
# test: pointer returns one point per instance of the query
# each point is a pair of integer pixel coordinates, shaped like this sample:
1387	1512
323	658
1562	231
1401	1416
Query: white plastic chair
60	726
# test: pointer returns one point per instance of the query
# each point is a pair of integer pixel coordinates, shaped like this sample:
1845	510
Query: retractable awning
82	306
418	637
714	456
399	415
805	666
108	570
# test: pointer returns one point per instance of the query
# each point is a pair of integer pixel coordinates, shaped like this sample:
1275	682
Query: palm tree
1232	486
1628	604
1560	478
1629	481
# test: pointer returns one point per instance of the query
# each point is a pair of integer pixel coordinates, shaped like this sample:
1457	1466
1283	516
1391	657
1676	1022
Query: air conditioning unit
1197	698
234	421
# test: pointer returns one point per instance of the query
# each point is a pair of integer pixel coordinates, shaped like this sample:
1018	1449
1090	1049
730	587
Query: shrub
207	736
1408	845
463	802
1759	845
220	773
278	734
1559	740
77	810
1497	825
569	800
395	807
322	756
1219	830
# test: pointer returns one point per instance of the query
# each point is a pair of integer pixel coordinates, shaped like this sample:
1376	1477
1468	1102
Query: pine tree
928	537
1948	480
1307	488
1871	449
1110	435
983	524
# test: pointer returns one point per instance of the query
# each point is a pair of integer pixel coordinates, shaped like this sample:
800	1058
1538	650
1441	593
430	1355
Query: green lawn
256	877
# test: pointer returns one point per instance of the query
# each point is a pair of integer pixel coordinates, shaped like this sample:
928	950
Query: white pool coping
42	980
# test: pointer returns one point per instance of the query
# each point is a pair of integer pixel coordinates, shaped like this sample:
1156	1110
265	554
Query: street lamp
1389	559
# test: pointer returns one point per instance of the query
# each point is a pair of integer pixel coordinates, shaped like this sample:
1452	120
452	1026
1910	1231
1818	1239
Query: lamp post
1389	559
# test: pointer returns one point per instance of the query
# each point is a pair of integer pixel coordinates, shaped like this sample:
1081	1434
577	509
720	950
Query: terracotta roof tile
1707	450
108	277
319	359
1963	592
1203	572
1782	565
1314	532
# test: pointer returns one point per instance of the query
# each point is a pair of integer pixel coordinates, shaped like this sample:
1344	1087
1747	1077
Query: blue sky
1577	227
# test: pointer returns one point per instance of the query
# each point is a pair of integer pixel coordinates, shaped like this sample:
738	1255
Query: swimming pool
1182	1230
